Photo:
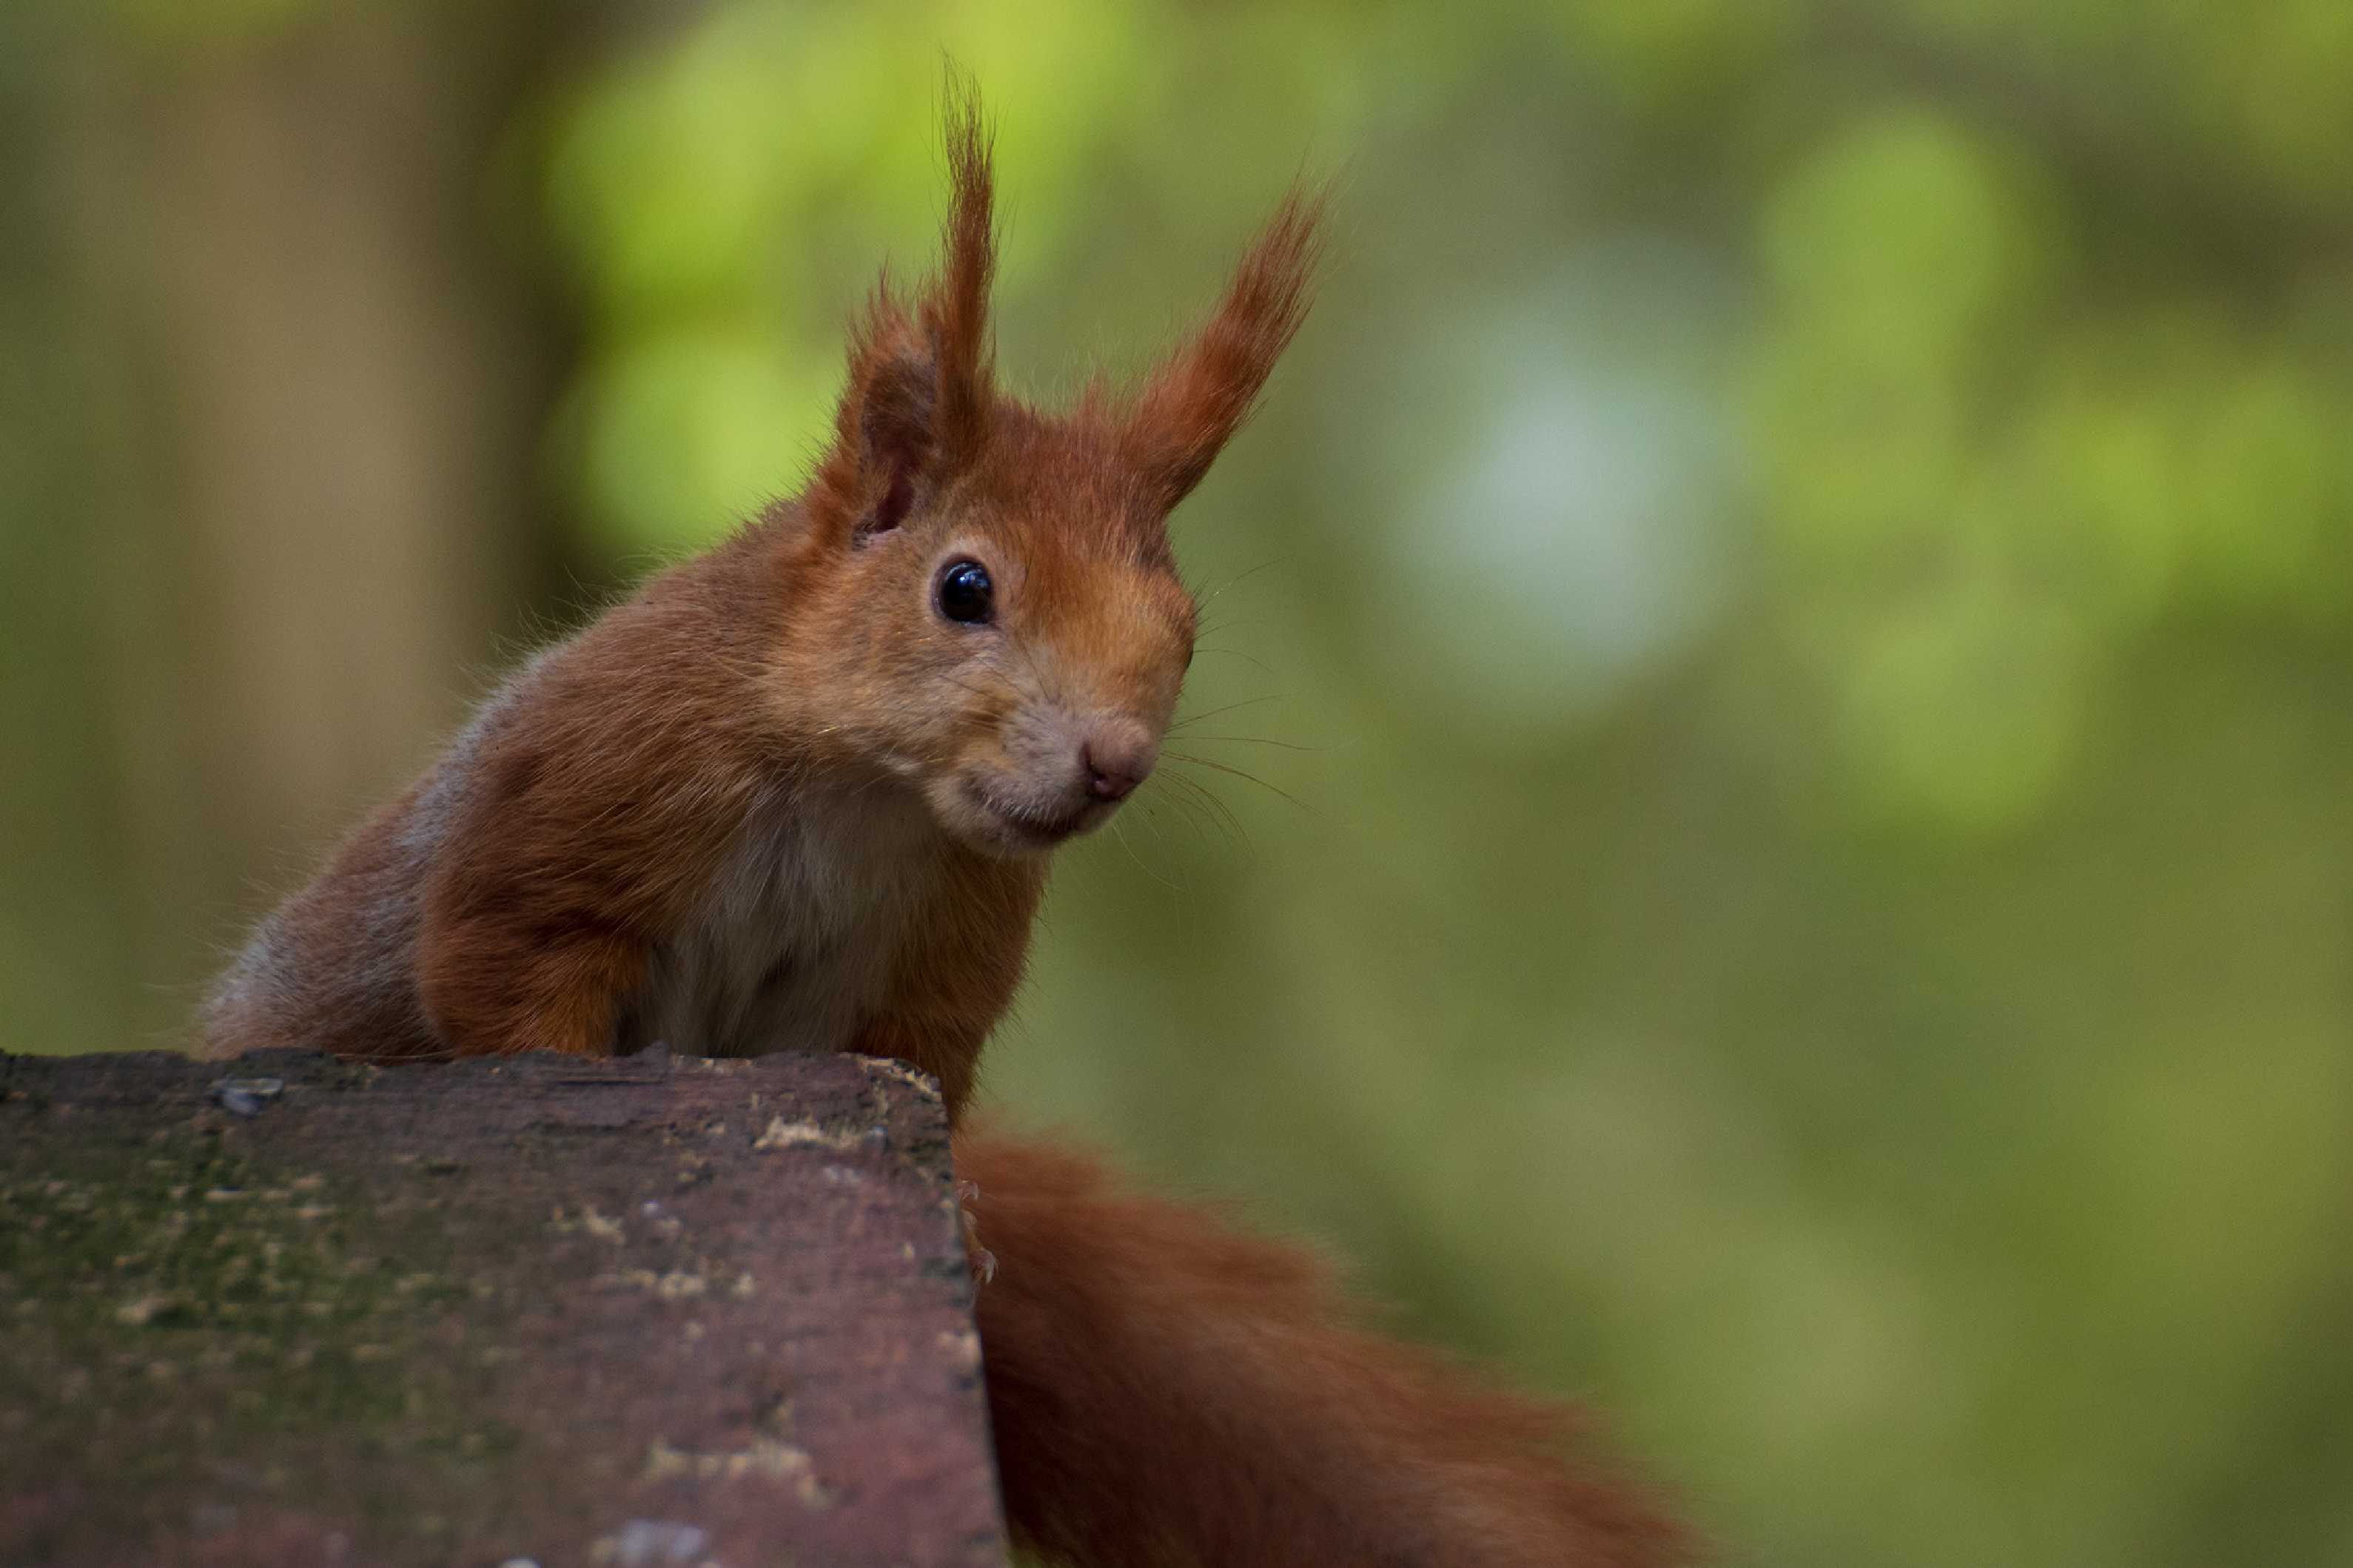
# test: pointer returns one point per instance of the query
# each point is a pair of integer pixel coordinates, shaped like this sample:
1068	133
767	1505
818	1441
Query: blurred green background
1794	605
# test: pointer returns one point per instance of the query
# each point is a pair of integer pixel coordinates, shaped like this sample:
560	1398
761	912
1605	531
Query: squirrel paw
983	1261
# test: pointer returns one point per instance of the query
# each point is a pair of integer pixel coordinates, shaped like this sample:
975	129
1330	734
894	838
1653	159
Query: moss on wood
484	1310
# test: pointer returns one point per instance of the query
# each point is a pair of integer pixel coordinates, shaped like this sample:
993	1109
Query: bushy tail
1167	1390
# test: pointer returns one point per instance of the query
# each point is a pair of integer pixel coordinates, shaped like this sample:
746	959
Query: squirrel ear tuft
955	306
915	412
1194	402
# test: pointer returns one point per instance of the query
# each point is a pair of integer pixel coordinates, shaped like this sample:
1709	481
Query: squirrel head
985	601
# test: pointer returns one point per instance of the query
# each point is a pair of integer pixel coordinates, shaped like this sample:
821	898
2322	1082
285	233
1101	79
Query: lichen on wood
290	1309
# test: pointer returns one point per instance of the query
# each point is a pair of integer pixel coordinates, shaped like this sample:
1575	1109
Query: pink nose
1117	756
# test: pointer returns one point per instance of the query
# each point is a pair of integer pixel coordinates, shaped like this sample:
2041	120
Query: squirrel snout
1117	756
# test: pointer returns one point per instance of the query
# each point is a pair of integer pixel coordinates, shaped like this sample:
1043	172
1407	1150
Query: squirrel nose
1117	757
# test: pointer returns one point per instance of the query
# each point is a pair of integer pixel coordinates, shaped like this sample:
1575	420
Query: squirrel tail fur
1168	1390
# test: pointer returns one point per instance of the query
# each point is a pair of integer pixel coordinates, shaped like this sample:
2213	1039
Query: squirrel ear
1193	404
915	411
888	421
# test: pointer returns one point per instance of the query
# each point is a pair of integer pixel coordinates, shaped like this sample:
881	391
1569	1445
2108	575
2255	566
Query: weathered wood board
290	1310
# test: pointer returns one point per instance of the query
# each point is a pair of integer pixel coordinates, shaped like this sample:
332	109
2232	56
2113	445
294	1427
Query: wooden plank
627	1313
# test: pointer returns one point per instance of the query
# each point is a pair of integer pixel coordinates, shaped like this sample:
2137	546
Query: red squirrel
800	793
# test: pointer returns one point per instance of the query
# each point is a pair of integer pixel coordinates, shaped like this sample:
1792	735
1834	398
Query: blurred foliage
1795	608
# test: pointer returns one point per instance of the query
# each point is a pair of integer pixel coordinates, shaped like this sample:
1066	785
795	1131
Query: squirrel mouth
1029	824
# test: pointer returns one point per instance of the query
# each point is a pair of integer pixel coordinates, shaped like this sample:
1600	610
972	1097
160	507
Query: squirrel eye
963	592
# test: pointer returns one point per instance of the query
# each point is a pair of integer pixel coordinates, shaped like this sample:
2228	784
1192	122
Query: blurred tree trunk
286	275
349	408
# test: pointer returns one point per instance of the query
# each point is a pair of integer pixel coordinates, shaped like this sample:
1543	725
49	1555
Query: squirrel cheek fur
796	793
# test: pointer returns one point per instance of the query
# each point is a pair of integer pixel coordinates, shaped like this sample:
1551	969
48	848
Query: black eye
963	592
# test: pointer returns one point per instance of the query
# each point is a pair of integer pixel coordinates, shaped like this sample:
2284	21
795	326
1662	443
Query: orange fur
531	889
1167	1390
783	798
